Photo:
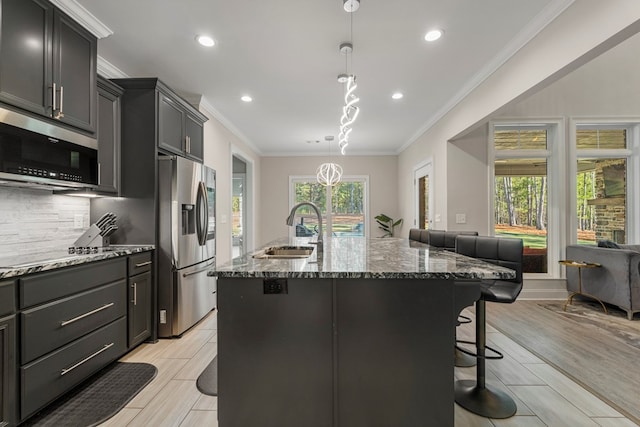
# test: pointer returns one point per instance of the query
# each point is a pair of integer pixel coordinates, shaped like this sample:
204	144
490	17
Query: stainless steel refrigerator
186	237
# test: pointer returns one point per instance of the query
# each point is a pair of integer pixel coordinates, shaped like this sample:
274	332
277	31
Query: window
346	202
601	183
521	189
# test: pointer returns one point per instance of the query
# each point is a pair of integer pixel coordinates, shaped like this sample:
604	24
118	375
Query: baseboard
543	289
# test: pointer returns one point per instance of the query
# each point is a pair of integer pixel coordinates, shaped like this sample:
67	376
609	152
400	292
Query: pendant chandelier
329	173
350	110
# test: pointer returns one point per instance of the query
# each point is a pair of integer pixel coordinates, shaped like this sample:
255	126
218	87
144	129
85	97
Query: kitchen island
361	336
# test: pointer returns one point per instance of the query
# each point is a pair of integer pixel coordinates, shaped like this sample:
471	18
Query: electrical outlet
78	221
275	286
461	218
437	217
163	316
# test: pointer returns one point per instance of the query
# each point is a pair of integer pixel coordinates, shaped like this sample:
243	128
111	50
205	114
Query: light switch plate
461	218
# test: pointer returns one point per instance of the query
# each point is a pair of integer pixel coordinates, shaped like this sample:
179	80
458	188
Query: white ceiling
285	55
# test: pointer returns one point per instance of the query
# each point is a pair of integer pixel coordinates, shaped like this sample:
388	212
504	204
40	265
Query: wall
220	144
582	32
33	221
274	178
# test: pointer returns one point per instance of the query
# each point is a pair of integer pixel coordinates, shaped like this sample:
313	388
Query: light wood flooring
544	396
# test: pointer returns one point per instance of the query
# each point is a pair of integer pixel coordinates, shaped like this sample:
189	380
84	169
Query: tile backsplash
33	221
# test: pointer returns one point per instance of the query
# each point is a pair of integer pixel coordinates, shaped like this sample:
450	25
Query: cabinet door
108	139
25	46
170	122
74	71
8	371
139	308
194	135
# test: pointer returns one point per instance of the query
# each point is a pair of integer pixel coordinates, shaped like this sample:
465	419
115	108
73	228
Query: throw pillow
608	244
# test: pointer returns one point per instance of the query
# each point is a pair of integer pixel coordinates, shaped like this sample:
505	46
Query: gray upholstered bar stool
414	234
506	252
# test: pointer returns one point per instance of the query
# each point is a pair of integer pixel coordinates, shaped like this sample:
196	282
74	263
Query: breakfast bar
360	335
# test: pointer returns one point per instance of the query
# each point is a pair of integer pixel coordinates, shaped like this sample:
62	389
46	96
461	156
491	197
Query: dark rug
98	398
207	382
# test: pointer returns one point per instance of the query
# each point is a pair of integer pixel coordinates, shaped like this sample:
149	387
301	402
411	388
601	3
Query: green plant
387	224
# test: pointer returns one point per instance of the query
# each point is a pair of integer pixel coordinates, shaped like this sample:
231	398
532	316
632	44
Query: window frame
632	155
556	181
293	179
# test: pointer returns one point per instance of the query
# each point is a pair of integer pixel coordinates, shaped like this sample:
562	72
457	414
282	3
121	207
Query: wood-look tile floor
544	396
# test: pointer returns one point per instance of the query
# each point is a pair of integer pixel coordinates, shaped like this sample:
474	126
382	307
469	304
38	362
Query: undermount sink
285	252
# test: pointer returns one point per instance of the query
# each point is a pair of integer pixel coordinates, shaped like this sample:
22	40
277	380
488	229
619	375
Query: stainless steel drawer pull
86	359
82	316
142	264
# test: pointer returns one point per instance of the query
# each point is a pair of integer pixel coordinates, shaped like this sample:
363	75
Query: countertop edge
72	260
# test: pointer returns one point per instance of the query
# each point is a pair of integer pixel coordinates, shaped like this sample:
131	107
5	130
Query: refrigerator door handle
201	214
198	271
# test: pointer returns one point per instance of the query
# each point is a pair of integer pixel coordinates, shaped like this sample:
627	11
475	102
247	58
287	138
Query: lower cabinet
139	308
139	296
7	370
45	379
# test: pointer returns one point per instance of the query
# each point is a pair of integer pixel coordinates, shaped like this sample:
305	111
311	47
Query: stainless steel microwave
34	159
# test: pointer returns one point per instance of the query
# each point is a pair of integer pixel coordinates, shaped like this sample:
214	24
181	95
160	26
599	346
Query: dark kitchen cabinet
180	126
108	134
7	370
8	364
139	289
72	321
47	63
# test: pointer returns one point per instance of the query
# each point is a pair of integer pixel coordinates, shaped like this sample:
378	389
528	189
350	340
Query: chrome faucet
292	214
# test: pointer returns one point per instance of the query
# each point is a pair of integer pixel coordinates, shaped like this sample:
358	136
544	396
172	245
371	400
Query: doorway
239	208
423	196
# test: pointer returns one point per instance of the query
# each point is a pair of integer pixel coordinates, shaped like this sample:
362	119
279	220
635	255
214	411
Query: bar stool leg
474	395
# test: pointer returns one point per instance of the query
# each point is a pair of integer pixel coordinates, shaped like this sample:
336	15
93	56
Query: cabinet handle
135	293
99	174
53	100
86	359
142	264
189	141
61	113
82	316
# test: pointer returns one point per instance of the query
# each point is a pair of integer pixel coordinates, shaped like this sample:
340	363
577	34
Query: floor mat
208	380
98	398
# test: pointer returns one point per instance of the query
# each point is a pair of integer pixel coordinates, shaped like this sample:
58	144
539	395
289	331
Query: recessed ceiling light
246	98
205	40
433	35
397	95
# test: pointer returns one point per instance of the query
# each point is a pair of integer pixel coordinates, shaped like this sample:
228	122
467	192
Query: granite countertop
358	257
60	257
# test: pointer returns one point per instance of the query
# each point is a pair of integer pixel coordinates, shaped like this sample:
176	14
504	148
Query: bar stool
506	252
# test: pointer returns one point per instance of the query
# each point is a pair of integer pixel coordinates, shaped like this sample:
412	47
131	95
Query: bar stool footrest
476	355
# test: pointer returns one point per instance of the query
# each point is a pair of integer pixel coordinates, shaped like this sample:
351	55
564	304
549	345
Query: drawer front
49	377
55	324
43	287
140	263
7	298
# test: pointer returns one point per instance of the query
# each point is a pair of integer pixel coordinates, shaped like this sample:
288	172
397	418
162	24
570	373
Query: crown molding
108	70
83	17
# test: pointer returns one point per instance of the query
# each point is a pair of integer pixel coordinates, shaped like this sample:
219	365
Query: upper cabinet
180	126
180	130
47	63
108	134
